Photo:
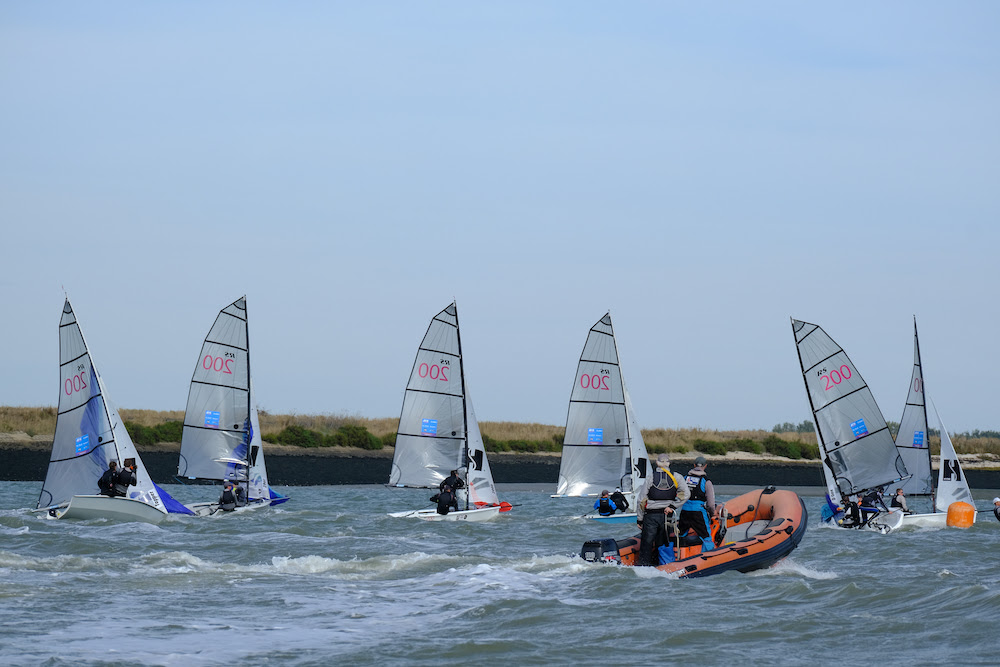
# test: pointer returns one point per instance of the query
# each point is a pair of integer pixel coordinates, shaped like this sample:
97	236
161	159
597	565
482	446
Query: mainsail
603	446
912	440
855	445
89	432
438	431
952	485
221	437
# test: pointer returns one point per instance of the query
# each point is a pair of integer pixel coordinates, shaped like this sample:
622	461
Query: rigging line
824	359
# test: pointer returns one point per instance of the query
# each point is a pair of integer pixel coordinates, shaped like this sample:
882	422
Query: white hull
105	507
612	518
931	520
481	514
210	509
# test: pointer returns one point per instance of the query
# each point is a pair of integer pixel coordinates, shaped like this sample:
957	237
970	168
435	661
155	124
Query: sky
703	172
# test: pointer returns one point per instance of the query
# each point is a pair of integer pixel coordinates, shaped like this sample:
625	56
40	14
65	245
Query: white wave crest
790	567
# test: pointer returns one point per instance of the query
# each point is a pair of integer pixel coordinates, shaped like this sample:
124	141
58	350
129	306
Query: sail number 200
595	381
835	376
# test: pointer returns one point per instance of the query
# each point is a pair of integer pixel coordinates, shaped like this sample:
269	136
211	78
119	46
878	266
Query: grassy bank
151	426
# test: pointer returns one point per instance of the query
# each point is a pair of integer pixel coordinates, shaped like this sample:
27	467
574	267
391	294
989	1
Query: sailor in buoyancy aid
107	481
445	500
227	501
124	479
697	511
620	501
996	508
603	505
662	494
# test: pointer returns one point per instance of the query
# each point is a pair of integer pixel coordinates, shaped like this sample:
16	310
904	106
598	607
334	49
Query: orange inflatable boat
762	527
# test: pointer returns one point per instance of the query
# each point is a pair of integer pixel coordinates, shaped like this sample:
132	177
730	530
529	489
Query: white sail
952	485
912	438
603	446
89	432
857	449
221	437
438	431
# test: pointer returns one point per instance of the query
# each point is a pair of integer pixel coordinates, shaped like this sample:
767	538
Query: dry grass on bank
42	421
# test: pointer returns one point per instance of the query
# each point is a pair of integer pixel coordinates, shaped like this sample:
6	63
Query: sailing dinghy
90	434
855	445
438	431
603	447
221	437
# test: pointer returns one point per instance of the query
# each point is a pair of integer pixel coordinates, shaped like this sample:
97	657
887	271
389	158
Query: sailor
869	505
445	500
452	480
996	508
241	494
661	496
620	501
697	511
107	481
852	515
124	479
603	505
899	500
227	501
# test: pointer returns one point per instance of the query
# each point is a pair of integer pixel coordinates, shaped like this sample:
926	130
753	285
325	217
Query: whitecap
791	567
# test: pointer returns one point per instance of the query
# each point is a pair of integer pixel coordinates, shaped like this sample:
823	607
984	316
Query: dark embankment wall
306	470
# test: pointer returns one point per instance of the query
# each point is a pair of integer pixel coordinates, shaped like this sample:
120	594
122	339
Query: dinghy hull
768	524
104	507
479	514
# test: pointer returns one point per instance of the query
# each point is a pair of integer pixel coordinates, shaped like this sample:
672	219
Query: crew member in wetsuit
620	501
107	481
124	479
603	505
869	505
697	511
852	515
446	500
662	494
996	508
453	481
240	493
899	500
227	501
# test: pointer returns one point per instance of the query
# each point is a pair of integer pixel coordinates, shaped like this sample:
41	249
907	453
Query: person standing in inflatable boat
661	496
700	506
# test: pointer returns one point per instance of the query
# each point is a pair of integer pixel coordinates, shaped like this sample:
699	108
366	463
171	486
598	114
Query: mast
465	410
819	432
927	430
249	427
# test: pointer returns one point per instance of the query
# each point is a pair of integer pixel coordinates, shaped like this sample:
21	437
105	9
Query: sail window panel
71	344
77	383
228	330
81	431
436	372
222	365
75	477
815	347
917	464
432	416
872	462
425	462
218	408
601	348
598	382
441	337
596	425
207	454
586	471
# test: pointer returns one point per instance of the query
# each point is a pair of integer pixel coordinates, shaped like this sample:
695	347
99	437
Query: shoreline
26	459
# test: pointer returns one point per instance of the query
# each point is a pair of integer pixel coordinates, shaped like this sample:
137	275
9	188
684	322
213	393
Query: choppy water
329	579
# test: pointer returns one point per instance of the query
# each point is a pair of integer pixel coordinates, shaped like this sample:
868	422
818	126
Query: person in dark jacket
240	493
227	501
446	500
662	495
453	481
124	479
620	501
107	481
696	513
604	505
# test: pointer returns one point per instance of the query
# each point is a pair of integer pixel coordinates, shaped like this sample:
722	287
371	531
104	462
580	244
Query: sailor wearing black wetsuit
661	495
453	481
620	501
697	510
446	500
124	479
107	481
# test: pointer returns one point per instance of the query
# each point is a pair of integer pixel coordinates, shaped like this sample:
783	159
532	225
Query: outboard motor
601	551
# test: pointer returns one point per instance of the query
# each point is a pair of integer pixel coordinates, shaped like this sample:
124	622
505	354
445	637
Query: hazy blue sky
703	171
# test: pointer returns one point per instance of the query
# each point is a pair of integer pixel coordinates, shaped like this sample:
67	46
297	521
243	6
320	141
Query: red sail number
835	376
75	384
218	364
594	382
433	371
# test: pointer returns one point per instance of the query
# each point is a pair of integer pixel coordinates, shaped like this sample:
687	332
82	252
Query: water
327	578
